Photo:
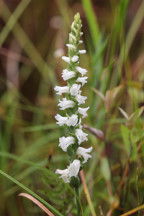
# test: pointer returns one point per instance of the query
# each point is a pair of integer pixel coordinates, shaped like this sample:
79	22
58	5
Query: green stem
78	202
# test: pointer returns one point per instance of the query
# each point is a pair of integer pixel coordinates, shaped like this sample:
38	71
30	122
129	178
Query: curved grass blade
31	192
36	202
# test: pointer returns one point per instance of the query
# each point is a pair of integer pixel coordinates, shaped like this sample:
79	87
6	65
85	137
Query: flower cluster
75	77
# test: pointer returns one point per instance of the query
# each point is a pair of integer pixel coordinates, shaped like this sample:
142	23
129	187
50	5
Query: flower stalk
72	104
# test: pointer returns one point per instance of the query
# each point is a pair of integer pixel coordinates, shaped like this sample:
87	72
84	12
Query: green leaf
134	148
105	169
92	20
125	136
128	139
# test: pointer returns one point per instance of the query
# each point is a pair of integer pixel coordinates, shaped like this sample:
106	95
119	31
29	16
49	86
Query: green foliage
30	192
105	169
128	139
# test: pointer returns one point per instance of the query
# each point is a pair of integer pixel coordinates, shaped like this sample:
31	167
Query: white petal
74	90
75	30
75	58
80	99
66	59
82	51
64	175
72	25
66	75
72	120
69	121
65	142
81	33
83	111
61	120
79	124
74	168
81	136
84	153
72	36
61	89
64	104
81	70
83	80
71	46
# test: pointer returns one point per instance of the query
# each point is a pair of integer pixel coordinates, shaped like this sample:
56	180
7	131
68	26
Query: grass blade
37	203
30	192
92	20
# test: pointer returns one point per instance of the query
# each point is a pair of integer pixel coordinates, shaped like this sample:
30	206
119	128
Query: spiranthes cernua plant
72	103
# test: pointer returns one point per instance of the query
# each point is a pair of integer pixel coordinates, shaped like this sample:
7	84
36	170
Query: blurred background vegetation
32	40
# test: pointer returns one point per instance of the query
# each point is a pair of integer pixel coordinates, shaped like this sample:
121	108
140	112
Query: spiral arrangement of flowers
75	77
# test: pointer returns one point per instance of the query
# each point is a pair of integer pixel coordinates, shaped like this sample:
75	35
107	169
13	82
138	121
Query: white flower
81	70
72	120
83	80
83	111
75	58
80	99
72	25
84	153
75	77
66	75
65	142
64	175
69	121
81	136
72	36
61	89
71	46
66	59
61	120
64	104
75	89
75	30
79	26
74	168
82	51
